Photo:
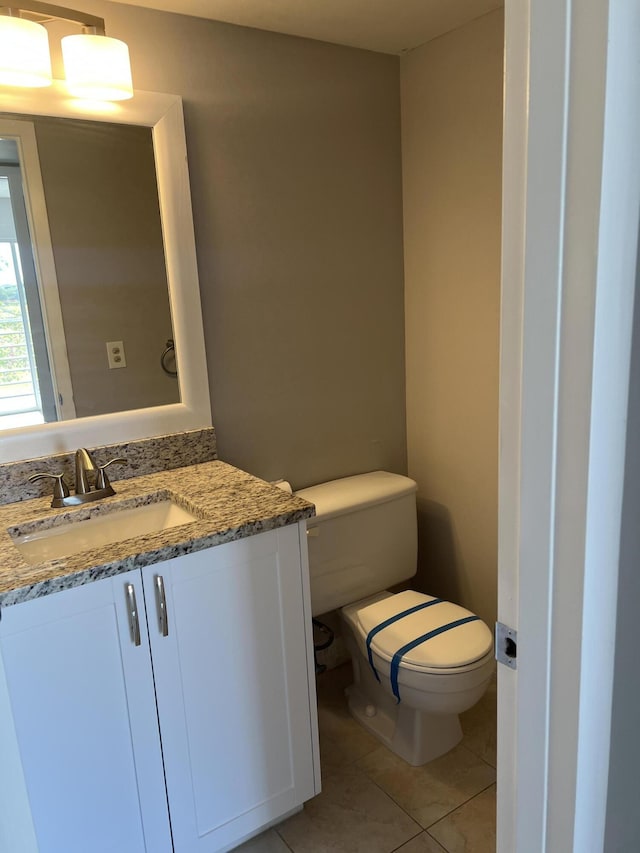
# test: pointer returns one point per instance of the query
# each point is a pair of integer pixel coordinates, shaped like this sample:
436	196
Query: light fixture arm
42	12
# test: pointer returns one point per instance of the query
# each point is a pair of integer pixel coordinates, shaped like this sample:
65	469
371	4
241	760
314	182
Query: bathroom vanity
157	687
157	693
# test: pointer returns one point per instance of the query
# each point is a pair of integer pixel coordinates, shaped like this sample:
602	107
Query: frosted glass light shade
97	68
24	53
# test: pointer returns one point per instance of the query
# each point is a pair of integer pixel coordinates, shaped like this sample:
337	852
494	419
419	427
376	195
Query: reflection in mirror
84	306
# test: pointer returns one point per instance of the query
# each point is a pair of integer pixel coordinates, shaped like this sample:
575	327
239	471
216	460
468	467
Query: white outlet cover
116	355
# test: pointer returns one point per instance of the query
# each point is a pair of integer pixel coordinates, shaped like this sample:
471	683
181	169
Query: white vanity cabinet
81	766
232	682
213	712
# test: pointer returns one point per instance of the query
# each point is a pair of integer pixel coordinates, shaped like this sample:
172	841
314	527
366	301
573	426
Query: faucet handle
102	481
60	488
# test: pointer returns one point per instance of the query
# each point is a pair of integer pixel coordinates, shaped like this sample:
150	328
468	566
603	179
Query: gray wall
295	162
622	831
452	173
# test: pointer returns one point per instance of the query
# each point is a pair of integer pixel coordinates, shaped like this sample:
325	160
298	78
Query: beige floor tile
472	827
422	843
267	842
351	815
429	792
342	739
479	726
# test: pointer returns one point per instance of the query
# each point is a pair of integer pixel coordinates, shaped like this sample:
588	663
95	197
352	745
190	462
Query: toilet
418	660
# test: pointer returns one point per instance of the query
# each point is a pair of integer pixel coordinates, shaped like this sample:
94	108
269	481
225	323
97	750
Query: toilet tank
363	538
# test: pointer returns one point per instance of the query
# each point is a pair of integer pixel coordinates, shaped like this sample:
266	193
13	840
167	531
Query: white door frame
570	240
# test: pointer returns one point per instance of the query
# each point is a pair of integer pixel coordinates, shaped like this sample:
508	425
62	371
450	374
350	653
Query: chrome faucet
84	493
84	464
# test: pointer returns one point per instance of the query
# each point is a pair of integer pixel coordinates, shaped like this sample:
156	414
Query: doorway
570	239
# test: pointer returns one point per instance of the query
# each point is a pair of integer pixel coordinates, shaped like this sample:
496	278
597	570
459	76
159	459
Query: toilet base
415	736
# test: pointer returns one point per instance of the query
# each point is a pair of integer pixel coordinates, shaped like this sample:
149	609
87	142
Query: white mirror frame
164	115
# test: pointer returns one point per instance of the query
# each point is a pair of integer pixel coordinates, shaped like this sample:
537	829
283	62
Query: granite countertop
229	504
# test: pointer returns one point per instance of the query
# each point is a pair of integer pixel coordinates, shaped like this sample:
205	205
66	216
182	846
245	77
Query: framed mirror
99	300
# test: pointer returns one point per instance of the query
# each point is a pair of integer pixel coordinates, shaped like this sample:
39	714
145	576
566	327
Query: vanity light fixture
24	52
96	67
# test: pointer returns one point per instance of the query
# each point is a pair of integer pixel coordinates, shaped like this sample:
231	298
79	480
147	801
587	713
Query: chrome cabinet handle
132	607
161	600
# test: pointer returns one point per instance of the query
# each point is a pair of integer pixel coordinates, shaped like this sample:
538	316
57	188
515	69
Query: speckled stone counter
144	456
228	503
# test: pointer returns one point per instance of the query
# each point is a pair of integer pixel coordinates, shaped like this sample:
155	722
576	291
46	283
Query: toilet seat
457	640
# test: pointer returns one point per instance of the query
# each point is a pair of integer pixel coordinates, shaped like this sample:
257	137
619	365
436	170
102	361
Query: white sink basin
73	537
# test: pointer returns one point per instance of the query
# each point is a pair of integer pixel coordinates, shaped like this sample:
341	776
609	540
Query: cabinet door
79	726
232	685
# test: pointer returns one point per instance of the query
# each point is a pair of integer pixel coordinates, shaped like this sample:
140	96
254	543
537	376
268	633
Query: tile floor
372	802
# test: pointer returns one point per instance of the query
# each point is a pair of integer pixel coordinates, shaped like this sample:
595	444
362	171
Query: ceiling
386	26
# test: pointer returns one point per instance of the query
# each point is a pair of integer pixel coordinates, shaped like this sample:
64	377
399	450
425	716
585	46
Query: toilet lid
454	646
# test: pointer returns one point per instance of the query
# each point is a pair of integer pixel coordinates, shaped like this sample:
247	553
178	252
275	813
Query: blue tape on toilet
395	662
390	621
